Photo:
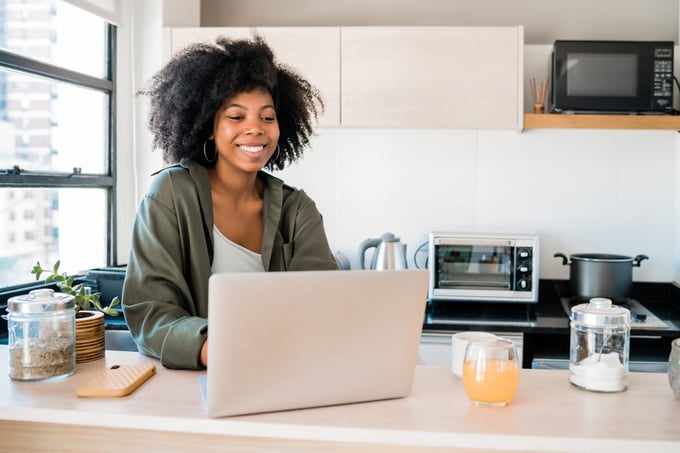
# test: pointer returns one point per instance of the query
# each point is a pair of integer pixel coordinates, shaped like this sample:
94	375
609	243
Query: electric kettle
389	253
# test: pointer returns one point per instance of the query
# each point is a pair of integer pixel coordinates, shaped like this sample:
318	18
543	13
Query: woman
220	113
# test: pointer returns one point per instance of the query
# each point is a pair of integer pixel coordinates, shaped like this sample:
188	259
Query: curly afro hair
187	93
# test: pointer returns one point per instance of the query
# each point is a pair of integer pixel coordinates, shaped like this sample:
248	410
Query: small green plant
83	298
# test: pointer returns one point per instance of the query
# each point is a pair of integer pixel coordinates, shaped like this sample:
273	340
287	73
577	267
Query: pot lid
601	257
600	312
40	301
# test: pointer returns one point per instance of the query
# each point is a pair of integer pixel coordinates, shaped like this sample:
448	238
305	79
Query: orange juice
490	380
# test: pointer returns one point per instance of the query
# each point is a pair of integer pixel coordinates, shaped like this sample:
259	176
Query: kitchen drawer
435	348
553	363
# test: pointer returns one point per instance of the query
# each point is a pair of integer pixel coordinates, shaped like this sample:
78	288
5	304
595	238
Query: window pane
51	126
47	225
55	32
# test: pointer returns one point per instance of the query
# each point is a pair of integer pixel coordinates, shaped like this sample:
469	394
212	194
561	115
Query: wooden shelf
582	121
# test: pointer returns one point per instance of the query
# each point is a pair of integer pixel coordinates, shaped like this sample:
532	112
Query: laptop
300	339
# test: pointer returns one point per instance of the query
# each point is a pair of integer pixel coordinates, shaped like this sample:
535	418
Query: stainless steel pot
601	275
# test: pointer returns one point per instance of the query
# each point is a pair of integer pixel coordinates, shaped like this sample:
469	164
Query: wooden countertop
166	414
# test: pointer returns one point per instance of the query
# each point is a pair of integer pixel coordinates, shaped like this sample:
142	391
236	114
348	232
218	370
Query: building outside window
57	156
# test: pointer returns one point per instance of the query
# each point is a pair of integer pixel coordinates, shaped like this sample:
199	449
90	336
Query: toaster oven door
474	267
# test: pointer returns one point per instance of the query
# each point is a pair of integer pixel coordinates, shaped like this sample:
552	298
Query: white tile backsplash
582	191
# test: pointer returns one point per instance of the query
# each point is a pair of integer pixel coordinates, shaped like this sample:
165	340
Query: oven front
499	268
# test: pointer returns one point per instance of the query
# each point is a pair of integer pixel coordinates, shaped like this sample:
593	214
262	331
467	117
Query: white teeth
252	149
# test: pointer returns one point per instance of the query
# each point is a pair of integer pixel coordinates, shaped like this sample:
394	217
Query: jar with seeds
41	327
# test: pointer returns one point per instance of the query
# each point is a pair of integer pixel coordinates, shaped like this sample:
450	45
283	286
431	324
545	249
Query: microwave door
612	76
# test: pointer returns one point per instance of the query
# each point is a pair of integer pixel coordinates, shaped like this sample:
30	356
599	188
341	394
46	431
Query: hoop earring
205	154
275	156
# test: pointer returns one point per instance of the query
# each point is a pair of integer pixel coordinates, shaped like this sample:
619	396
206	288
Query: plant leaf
37	270
82	299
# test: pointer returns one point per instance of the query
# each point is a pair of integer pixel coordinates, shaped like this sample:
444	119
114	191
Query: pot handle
638	259
565	260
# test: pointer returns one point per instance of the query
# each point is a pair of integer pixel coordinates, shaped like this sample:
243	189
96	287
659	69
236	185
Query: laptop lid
290	340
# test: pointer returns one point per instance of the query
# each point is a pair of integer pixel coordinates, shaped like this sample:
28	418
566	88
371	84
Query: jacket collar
271	213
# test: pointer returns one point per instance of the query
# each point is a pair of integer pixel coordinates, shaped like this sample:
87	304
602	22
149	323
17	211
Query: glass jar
599	346
674	367
41	327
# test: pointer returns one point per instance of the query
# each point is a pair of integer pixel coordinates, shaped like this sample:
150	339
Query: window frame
19	178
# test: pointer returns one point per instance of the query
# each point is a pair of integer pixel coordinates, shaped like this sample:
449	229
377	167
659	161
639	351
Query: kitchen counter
166	414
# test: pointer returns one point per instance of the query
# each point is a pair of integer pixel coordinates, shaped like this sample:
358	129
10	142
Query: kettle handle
565	260
365	245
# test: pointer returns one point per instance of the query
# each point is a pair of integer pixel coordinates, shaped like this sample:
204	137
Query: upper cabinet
312	51
419	76
432	77
398	77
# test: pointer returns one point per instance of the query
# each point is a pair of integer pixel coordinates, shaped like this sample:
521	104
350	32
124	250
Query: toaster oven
483	267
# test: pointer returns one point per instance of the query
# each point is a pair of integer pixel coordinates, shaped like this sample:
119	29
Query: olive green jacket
165	294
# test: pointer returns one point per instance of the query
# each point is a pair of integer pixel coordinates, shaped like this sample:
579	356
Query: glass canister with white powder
599	346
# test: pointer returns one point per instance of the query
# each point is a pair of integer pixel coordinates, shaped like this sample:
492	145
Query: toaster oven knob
524	284
524	253
523	269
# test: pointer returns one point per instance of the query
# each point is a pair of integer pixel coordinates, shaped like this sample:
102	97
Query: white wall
581	190
140	42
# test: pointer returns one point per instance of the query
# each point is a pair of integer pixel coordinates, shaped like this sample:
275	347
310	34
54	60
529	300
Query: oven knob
523	269
524	284
524	253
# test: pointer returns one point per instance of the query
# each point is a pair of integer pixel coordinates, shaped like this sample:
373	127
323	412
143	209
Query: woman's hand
204	354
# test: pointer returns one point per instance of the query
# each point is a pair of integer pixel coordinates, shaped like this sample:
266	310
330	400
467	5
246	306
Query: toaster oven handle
473	242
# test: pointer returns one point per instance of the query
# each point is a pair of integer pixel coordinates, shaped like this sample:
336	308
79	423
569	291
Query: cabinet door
312	51
432	77
434	349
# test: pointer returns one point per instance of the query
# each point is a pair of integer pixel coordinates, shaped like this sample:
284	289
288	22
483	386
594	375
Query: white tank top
231	257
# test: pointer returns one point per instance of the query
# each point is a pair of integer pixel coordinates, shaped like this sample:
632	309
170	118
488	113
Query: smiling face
246	131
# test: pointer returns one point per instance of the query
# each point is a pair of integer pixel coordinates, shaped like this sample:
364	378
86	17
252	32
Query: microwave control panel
663	77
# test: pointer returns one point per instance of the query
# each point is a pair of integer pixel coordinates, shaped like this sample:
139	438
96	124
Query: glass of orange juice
491	371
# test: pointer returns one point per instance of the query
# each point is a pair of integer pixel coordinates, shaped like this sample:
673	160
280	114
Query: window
57	159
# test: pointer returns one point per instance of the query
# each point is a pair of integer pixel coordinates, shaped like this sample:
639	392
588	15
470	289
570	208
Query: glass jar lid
600	312
42	300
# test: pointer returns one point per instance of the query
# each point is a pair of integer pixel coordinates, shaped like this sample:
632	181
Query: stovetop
640	316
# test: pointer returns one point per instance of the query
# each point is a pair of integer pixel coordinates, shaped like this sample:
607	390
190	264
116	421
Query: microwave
483	267
612	77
